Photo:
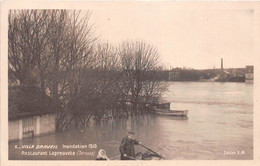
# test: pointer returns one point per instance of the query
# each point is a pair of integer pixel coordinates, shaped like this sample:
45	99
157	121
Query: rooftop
29	101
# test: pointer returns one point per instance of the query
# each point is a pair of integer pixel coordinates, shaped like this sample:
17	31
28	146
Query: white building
249	76
30	113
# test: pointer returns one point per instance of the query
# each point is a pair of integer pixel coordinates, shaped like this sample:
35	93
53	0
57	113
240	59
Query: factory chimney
221	63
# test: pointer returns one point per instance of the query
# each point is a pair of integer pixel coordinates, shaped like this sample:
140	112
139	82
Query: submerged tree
138	61
48	49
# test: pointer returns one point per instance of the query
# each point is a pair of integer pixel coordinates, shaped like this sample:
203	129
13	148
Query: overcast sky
184	37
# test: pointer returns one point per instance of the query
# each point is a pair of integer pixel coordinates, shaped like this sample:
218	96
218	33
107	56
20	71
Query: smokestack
221	63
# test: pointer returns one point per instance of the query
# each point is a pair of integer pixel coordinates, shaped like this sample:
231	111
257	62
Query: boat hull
140	157
169	112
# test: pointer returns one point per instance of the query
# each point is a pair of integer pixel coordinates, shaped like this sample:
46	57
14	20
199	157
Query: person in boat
102	155
127	148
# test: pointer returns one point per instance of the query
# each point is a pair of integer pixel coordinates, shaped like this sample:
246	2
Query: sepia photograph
130	81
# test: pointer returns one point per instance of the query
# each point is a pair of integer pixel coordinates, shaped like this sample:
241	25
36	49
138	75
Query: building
30	113
249	76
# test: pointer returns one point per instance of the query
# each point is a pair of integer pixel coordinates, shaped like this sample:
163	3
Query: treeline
228	75
58	52
194	75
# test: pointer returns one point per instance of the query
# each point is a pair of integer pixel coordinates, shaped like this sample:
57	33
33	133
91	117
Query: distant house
30	113
249	74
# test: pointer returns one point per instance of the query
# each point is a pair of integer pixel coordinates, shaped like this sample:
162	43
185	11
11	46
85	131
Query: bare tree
27	40
49	49
138	59
57	51
98	95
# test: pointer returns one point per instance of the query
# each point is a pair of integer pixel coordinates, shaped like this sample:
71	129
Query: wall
44	124
47	124
13	129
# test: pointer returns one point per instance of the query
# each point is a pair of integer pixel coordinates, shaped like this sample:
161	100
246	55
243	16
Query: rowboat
164	109
148	156
170	112
141	156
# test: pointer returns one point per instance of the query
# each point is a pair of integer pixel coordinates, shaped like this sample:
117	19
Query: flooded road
219	126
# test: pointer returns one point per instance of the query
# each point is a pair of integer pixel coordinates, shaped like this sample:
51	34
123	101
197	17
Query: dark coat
100	159
127	147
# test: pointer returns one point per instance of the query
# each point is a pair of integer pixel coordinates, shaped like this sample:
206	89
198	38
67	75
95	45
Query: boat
164	109
142	156
170	112
148	156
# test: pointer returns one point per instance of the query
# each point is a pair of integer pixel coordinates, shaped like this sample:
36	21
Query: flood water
219	126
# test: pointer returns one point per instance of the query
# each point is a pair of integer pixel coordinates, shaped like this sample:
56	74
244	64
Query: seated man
127	149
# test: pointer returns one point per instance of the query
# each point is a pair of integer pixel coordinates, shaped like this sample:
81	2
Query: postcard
127	81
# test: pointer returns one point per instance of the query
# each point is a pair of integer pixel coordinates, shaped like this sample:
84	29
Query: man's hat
131	132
